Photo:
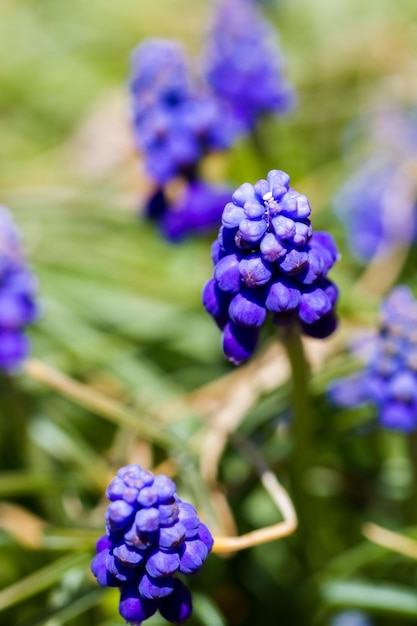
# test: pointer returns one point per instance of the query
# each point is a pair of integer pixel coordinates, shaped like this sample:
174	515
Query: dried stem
279	496
96	402
244	387
146	426
391	540
226	401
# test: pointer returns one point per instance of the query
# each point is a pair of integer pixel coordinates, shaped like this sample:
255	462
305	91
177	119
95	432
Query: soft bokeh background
122	314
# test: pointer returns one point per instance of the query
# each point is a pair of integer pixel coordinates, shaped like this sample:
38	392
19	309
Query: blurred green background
122	314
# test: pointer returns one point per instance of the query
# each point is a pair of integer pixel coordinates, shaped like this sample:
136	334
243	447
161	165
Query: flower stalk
302	428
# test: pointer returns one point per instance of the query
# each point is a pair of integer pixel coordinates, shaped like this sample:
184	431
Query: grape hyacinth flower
18	307
377	203
151	537
378	207
243	64
268	260
174	123
389	379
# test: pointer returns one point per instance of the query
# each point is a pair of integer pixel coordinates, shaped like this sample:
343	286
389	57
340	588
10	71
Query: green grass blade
41	579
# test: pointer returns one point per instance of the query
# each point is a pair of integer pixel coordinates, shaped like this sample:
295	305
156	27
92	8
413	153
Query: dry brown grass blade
390	540
25	527
279	496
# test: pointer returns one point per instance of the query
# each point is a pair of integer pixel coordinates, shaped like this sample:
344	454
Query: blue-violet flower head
268	260
175	123
389	378
243	64
378	209
18	305
151	537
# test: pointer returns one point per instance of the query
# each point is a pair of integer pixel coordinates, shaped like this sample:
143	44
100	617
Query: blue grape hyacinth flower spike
389	378
378	208
175	123
152	536
18	303
269	263
243	64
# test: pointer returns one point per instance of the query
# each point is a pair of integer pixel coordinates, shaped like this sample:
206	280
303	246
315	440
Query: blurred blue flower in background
378	208
151	535
377	204
176	124
18	306
351	618
243	63
196	208
268	260
389	379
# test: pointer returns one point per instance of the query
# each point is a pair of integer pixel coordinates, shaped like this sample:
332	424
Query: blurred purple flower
197	209
243	63
174	123
18	306
351	618
389	378
377	204
378	209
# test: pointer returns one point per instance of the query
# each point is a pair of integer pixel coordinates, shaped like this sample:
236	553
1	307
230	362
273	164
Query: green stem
302	436
411	505
13	416
302	416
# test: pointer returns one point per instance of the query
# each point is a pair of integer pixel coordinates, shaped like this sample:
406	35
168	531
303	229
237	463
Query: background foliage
122	315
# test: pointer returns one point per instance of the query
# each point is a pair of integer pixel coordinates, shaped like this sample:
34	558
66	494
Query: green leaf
206	612
73	609
41	579
383	598
17	483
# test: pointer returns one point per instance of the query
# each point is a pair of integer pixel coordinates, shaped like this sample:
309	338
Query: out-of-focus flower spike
243	63
389	378
18	296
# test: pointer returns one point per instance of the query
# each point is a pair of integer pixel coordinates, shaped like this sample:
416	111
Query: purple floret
268	260
389	378
18	305
197	209
151	538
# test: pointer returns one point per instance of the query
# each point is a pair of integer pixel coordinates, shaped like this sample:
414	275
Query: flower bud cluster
268	260
242	53
151	536
18	306
389	379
